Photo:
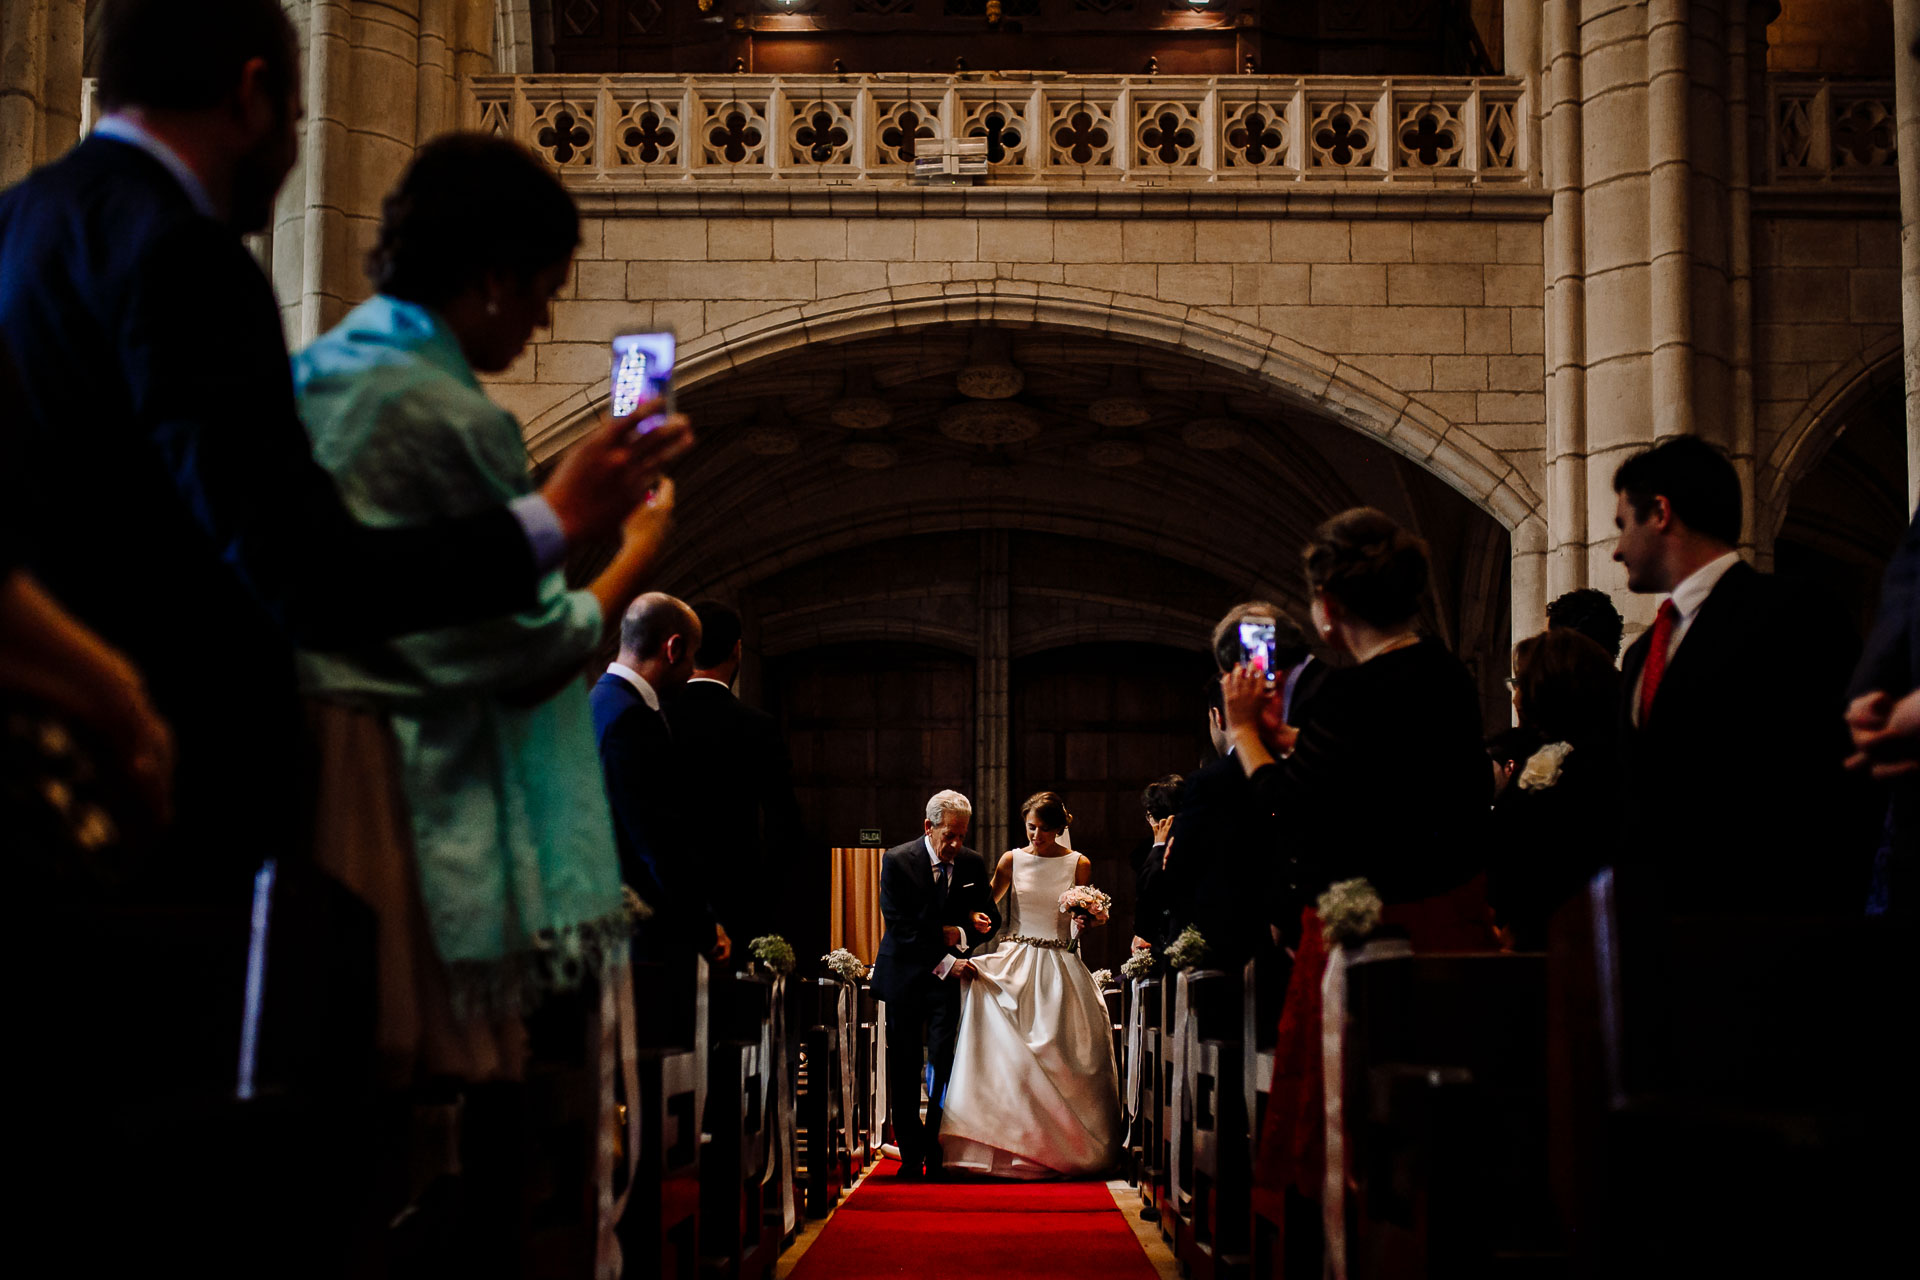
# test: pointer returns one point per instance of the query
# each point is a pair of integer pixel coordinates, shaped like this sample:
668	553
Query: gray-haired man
936	896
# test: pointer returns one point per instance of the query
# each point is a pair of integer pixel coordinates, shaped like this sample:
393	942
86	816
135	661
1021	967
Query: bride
1034	1092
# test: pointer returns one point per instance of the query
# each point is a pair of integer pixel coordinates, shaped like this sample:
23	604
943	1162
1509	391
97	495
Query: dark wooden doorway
875	729
1097	722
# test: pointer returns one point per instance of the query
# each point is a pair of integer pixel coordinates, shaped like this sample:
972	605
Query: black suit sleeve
199	338
644	792
901	904
1887	663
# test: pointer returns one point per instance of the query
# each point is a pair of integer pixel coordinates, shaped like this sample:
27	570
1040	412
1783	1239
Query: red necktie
1663	625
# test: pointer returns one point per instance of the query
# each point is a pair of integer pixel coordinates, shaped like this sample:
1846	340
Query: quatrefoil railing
1041	128
1831	130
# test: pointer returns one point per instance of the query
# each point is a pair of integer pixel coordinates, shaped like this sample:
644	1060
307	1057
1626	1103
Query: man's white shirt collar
638	681
121	129
710	680
1698	585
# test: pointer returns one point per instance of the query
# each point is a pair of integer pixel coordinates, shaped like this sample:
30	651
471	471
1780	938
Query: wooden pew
1728	1092
739	1241
1444	1101
1263	991
1144	1161
1214	1163
820	1103
660	1231
863	1012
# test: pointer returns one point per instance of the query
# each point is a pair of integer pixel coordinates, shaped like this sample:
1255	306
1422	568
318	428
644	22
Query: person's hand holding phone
601	479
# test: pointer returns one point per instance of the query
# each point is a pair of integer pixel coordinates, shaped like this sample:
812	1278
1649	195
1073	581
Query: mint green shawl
511	830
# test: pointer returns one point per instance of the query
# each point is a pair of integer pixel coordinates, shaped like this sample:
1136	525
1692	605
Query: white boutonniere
1543	766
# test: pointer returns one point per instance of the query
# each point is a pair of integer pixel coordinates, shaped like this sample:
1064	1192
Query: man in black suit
936	896
1228	871
738	773
164	491
653	822
1733	729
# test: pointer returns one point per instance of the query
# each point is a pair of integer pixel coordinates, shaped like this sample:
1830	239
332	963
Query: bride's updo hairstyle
1048	809
1376	570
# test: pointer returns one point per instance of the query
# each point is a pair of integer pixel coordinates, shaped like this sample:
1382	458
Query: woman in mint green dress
461	793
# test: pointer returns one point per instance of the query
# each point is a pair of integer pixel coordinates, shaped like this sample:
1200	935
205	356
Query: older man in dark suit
936	896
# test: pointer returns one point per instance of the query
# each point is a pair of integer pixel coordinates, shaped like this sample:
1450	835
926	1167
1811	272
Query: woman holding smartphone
461	793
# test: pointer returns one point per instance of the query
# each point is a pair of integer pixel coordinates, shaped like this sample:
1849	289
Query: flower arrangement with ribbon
1349	911
773	953
1188	951
1140	964
844	965
1543	767
1102	979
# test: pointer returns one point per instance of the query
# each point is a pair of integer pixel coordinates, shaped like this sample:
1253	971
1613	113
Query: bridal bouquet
1086	902
773	953
844	965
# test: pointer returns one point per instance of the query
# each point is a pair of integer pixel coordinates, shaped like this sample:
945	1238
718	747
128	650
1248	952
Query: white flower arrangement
1087	902
1102	979
844	965
773	953
1140	964
1349	911
1188	950
1543	766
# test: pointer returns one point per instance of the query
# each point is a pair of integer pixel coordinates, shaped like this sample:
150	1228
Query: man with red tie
1734	730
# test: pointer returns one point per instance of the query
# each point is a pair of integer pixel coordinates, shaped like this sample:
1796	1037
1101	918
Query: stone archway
1806	440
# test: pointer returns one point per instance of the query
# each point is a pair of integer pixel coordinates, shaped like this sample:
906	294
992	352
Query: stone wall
40	63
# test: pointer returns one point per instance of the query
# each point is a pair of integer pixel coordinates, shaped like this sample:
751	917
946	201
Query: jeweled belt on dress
1052	944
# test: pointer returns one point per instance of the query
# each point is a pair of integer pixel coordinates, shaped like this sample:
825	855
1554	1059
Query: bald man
658	852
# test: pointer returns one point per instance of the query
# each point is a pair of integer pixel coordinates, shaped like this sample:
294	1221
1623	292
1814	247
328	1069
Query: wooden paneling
1096	723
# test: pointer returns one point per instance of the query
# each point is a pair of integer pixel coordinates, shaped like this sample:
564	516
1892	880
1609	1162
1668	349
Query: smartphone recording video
642	371
1256	644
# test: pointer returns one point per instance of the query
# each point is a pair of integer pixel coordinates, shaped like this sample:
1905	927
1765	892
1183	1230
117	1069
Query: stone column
1562	170
381	78
1906	94
992	693
41	45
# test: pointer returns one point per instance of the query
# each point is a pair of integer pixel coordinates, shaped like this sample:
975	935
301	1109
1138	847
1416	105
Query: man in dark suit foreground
739	777
164	492
1733	723
936	897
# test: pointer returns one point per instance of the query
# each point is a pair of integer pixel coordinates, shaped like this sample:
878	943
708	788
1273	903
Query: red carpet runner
966	1230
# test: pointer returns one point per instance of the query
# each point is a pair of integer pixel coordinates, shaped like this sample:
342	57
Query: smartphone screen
1256	643
642	371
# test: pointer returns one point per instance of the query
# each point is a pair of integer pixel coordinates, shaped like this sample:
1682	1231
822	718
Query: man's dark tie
1663	624
942	876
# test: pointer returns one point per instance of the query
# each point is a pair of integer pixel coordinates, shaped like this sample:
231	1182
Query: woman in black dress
1556	821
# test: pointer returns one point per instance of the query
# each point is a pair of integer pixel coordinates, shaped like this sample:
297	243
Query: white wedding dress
1034	1092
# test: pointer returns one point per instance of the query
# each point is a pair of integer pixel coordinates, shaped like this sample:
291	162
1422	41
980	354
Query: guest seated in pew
1557	821
1386	780
460	793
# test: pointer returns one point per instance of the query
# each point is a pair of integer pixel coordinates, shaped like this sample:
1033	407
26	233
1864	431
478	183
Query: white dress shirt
1687	599
638	681
945	966
710	680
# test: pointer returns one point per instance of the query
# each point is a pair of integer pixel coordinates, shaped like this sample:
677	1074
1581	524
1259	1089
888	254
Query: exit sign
869	835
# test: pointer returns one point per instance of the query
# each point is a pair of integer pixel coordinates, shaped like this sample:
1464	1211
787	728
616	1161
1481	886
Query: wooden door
874	729
1097	723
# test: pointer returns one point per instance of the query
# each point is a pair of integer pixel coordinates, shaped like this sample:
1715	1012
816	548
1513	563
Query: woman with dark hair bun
1387	781
1556	822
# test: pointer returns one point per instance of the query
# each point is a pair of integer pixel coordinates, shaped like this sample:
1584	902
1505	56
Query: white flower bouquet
773	953
844	965
1349	911
1086	902
1102	979
1188	950
1140	964
1543	766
